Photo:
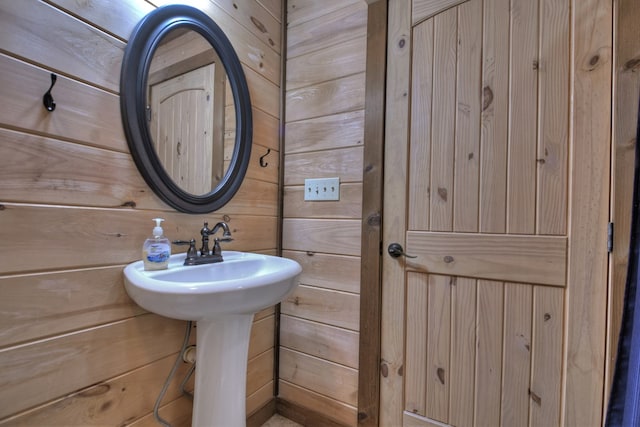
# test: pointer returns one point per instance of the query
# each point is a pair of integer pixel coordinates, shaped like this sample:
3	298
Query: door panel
487	213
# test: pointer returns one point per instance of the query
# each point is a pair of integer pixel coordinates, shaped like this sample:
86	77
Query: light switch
322	189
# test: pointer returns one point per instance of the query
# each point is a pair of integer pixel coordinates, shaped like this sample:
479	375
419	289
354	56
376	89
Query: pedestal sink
222	298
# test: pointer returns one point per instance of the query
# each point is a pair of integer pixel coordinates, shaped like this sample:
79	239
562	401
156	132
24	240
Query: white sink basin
222	298
244	283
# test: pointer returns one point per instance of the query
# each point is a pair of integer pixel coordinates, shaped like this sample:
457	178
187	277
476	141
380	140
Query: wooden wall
324	137
74	350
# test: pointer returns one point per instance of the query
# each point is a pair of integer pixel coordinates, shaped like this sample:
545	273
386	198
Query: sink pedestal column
221	371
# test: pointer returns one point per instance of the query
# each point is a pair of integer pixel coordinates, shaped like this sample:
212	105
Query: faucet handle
191	252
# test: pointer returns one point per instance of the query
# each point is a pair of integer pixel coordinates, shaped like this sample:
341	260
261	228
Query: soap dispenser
156	249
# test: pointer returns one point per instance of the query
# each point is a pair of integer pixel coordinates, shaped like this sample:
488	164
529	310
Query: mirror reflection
190	111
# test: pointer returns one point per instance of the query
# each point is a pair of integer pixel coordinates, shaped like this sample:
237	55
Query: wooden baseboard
261	416
304	416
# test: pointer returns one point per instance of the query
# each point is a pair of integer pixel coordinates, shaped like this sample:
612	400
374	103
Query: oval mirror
186	109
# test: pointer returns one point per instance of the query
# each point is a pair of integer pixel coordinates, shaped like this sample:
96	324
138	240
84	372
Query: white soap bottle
156	249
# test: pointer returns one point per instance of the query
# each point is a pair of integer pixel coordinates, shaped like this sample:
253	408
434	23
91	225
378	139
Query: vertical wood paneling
416	353
420	159
463	351
553	152
468	102
523	112
489	353
546	370
444	113
517	354
438	347
495	90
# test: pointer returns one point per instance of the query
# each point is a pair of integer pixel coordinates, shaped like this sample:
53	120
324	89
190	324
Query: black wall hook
262	162
47	99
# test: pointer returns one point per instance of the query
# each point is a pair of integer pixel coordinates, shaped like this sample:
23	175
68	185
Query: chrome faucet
206	256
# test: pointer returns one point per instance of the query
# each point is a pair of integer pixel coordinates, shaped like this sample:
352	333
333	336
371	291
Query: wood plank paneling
327	64
332	28
422	9
495	103
337	272
119	233
113	402
35	30
322	99
467	141
67	301
118	21
345	163
67	324
83	113
340	237
331	408
98	353
443	120
316	339
322	305
301	11
325	133
529	259
330	379
523	131
416	384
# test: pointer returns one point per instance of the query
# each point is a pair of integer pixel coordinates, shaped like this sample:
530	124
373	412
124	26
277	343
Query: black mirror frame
133	81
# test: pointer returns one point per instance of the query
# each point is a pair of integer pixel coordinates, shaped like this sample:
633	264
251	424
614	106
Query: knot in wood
448	259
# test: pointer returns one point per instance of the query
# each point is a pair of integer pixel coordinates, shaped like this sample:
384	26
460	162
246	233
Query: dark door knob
395	250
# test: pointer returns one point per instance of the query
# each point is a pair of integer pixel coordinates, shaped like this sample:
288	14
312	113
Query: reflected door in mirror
186	138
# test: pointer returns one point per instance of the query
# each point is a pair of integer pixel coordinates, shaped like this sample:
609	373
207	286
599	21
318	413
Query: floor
280	421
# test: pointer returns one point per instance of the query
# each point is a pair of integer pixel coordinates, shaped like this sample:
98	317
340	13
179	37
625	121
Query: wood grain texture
335	96
118	21
423	9
79	50
320	340
336	26
443	118
68	300
325	133
98	353
300	11
495	104
523	116
327	64
115	401
345	163
322	305
330	379
399	45
468	99
338	237
589	207
317	407
85	114
528	259
339	272
416	352
71	332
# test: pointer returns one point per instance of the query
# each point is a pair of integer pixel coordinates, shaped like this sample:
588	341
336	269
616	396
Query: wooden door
188	142
498	185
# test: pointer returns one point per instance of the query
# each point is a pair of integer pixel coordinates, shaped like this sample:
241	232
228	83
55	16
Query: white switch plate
322	189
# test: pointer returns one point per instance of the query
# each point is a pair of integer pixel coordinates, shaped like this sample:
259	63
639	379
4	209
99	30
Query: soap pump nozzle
157	230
